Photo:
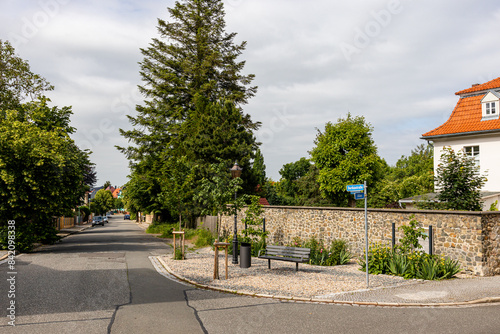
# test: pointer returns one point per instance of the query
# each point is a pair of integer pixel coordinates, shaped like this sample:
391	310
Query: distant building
94	191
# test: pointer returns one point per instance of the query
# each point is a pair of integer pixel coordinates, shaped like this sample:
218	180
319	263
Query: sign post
359	192
366	240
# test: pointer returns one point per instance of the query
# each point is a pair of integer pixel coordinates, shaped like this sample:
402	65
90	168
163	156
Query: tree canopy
411	176
42	171
345	154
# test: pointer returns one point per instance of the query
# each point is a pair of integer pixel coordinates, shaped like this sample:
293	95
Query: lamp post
235	172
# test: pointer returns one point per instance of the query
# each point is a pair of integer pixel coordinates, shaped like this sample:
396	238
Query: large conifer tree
194	92
194	56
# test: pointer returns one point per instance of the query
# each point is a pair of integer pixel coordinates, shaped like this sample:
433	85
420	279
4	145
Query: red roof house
474	127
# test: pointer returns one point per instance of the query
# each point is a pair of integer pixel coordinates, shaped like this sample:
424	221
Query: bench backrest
298	252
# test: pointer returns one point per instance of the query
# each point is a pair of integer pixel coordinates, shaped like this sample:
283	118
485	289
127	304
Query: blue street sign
359	195
356	188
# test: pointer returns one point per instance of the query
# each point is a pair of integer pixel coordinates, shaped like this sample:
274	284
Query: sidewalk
346	283
62	233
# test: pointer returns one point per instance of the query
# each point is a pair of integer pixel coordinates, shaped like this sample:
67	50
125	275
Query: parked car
105	219
98	220
126	217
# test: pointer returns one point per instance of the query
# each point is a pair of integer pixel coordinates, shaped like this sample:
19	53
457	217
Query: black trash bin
245	255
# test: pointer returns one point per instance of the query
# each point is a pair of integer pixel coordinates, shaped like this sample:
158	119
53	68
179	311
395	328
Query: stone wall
472	238
491	244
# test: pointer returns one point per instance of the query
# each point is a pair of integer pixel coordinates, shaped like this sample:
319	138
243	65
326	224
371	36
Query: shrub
407	260
205	238
337	253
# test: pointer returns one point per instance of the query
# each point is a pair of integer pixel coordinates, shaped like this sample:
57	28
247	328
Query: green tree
411	176
177	186
346	154
218	190
103	202
259	168
17	83
118	204
194	92
194	57
106	184
216	131
142	189
290	174
458	181
41	170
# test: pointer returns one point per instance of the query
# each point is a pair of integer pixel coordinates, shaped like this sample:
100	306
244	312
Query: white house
474	127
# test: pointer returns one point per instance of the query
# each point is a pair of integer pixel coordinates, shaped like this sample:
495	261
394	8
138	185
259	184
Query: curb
476	302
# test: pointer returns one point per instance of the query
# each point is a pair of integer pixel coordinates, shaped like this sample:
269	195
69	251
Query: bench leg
296	266
269	263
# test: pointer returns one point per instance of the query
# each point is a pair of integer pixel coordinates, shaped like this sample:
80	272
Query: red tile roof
116	192
495	83
263	201
467	115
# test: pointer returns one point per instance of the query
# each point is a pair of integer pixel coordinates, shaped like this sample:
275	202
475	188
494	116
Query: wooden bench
284	253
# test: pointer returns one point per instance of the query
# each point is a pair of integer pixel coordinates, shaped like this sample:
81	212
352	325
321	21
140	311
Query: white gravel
281	280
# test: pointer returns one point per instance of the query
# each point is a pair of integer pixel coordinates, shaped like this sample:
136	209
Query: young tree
218	190
345	154
458	181
177	184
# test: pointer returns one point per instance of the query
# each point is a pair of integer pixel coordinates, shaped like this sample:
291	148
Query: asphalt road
102	281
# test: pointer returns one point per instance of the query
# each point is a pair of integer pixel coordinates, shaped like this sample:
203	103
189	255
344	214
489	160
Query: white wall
489	155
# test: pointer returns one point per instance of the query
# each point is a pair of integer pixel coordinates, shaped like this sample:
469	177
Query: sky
398	63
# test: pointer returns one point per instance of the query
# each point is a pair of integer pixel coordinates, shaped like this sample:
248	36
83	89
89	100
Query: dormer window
490	108
490	105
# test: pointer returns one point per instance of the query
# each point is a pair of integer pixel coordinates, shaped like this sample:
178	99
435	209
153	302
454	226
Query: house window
473	151
491	108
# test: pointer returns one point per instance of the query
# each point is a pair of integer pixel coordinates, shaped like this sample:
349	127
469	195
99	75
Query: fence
209	223
64	222
472	238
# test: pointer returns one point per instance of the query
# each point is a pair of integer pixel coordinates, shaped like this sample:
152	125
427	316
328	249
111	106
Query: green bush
337	254
161	228
205	238
27	234
406	260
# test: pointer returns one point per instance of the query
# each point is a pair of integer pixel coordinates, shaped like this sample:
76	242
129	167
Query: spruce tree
194	56
194	92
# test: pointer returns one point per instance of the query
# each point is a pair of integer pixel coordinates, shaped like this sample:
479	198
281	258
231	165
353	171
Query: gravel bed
282	280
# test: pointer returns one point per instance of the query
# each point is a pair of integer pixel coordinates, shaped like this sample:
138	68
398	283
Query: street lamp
235	172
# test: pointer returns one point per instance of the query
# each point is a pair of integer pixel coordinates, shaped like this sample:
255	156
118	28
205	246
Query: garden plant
407	259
